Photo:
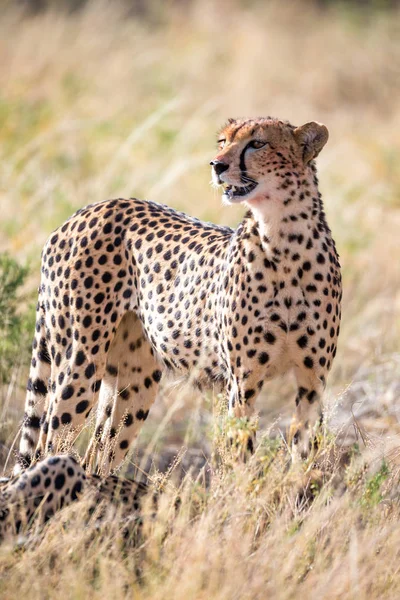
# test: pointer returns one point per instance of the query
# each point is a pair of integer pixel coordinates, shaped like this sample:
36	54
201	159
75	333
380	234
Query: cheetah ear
312	137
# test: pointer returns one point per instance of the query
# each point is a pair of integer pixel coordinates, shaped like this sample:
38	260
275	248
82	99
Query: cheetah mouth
235	191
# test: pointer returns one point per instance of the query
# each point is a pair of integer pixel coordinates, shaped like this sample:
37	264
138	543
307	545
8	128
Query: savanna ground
95	105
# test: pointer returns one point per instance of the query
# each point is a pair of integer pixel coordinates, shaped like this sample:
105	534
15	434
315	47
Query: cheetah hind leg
128	390
36	396
75	388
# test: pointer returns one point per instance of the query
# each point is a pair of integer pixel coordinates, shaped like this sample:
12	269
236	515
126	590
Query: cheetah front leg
308	415
242	394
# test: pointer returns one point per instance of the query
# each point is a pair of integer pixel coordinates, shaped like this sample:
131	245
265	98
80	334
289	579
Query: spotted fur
130	289
57	481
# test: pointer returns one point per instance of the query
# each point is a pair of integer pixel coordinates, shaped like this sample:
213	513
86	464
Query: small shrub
16	325
373	493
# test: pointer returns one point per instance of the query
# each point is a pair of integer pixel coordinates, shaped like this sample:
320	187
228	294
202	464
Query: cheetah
131	289
56	481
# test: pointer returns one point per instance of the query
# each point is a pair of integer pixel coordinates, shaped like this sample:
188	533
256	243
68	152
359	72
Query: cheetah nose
219	166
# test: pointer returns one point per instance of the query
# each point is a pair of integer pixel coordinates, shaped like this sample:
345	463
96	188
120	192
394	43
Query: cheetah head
255	156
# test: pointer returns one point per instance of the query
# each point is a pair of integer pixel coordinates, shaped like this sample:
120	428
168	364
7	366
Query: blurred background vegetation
104	99
141	7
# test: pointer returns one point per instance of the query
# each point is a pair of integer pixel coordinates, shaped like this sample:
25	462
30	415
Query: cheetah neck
289	220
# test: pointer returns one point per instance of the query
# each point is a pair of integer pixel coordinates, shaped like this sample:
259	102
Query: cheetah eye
257	144
221	143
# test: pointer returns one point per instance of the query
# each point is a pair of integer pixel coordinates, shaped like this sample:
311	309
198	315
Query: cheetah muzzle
233	192
130	289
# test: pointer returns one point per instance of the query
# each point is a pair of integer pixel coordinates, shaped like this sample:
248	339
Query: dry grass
95	106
